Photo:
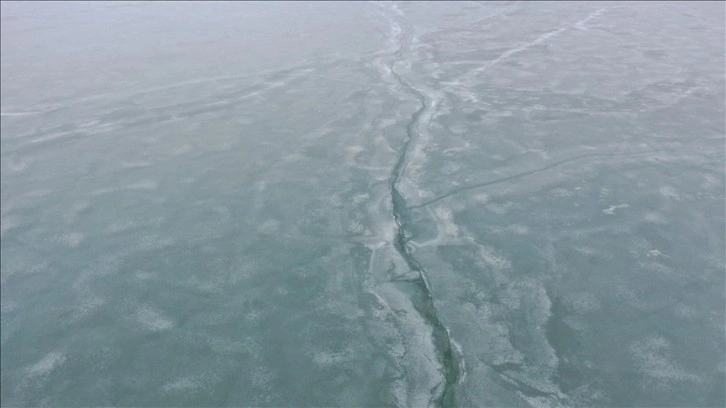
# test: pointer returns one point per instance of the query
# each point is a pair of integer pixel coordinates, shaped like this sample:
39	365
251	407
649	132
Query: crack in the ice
521	386
580	25
442	342
503	179
535	171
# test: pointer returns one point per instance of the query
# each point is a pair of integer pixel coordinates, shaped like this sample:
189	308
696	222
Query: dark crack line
503	179
530	172
442	342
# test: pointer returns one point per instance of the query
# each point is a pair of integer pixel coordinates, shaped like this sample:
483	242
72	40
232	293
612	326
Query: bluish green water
363	204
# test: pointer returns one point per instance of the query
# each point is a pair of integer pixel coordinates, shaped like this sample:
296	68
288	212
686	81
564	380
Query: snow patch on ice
670	193
654	358
143	185
611	210
70	239
153	319
47	364
655	218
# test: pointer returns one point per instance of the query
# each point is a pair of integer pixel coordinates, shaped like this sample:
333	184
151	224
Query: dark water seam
442	342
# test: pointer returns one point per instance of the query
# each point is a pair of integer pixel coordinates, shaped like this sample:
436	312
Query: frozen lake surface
363	204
